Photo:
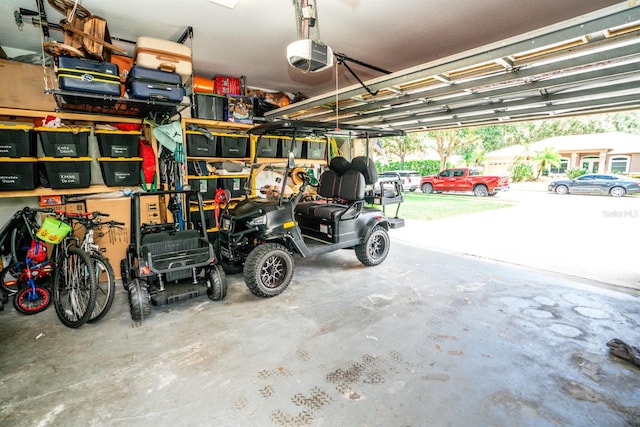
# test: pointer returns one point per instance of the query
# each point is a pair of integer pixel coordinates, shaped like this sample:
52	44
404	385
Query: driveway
591	237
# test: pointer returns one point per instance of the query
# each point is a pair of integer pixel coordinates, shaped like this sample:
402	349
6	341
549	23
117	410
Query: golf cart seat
342	187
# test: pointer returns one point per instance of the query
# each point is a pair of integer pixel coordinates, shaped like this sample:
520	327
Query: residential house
615	152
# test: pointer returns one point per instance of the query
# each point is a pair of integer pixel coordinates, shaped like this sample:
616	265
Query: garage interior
429	337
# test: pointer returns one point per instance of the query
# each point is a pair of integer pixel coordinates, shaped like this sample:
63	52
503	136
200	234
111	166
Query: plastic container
235	185
267	146
198	145
209	106
315	150
287	144
66	172
116	143
120	171
18	173
233	145
204	184
17	141
64	142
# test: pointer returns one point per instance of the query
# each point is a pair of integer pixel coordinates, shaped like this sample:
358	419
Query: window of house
620	164
564	165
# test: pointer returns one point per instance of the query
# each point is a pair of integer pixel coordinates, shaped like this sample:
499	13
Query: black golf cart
172	259
260	235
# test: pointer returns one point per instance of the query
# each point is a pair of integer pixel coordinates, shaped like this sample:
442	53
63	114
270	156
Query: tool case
156	85
86	75
164	55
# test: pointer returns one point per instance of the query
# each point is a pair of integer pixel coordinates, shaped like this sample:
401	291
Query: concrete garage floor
427	338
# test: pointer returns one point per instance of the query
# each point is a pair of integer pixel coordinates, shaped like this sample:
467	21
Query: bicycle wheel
74	288
106	287
10	279
30	300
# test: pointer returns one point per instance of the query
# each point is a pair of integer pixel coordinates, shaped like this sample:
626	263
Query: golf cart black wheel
375	247
30	300
217	290
125	273
480	190
427	188
562	189
617	191
139	301
268	270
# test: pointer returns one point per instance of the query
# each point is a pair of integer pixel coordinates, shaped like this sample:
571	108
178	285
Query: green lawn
435	206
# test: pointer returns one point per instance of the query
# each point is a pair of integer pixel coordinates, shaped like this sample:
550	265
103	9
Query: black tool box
86	75
155	85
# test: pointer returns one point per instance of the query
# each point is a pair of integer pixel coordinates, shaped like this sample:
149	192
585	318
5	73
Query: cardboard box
114	241
22	86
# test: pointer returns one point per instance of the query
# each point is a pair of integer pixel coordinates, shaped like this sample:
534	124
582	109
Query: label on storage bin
121	176
9	179
119	151
65	150
69	178
236	184
8	150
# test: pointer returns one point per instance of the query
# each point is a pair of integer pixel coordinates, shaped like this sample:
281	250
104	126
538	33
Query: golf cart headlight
261	220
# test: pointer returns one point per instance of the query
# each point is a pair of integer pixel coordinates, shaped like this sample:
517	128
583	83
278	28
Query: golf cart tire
375	247
139	301
217	290
125	273
268	270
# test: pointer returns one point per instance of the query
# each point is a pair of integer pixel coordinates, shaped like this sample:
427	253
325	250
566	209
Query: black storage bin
120	171
235	186
204	184
267	146
285	146
198	145
315	150
89	76
64	142
116	143
233	145
66	172
17	141
209	106
18	173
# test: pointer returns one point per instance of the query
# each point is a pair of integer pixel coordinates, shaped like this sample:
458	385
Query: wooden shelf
217	124
14	113
45	191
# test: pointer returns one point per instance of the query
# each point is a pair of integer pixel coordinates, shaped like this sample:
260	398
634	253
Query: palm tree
545	159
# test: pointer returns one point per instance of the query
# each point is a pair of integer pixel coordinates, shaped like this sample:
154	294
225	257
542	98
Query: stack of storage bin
119	157
17	158
65	163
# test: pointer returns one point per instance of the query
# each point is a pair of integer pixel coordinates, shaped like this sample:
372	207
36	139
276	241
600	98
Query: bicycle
105	277
25	281
74	281
29	269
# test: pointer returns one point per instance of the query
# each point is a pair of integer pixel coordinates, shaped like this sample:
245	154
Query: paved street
592	237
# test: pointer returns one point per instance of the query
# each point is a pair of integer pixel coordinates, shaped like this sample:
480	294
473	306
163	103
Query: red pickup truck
464	179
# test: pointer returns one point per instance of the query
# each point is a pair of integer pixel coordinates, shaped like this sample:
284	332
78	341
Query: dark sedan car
597	183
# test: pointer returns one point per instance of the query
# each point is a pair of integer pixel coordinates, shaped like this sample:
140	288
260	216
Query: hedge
424	167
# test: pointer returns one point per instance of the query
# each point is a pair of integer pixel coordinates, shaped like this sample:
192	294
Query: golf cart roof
306	128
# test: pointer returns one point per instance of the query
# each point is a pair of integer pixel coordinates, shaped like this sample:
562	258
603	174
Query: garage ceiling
453	63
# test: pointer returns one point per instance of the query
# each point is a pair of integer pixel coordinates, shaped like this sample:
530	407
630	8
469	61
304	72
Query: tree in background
403	146
545	159
453	141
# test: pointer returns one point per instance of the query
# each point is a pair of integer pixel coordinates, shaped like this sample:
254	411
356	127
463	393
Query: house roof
613	142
